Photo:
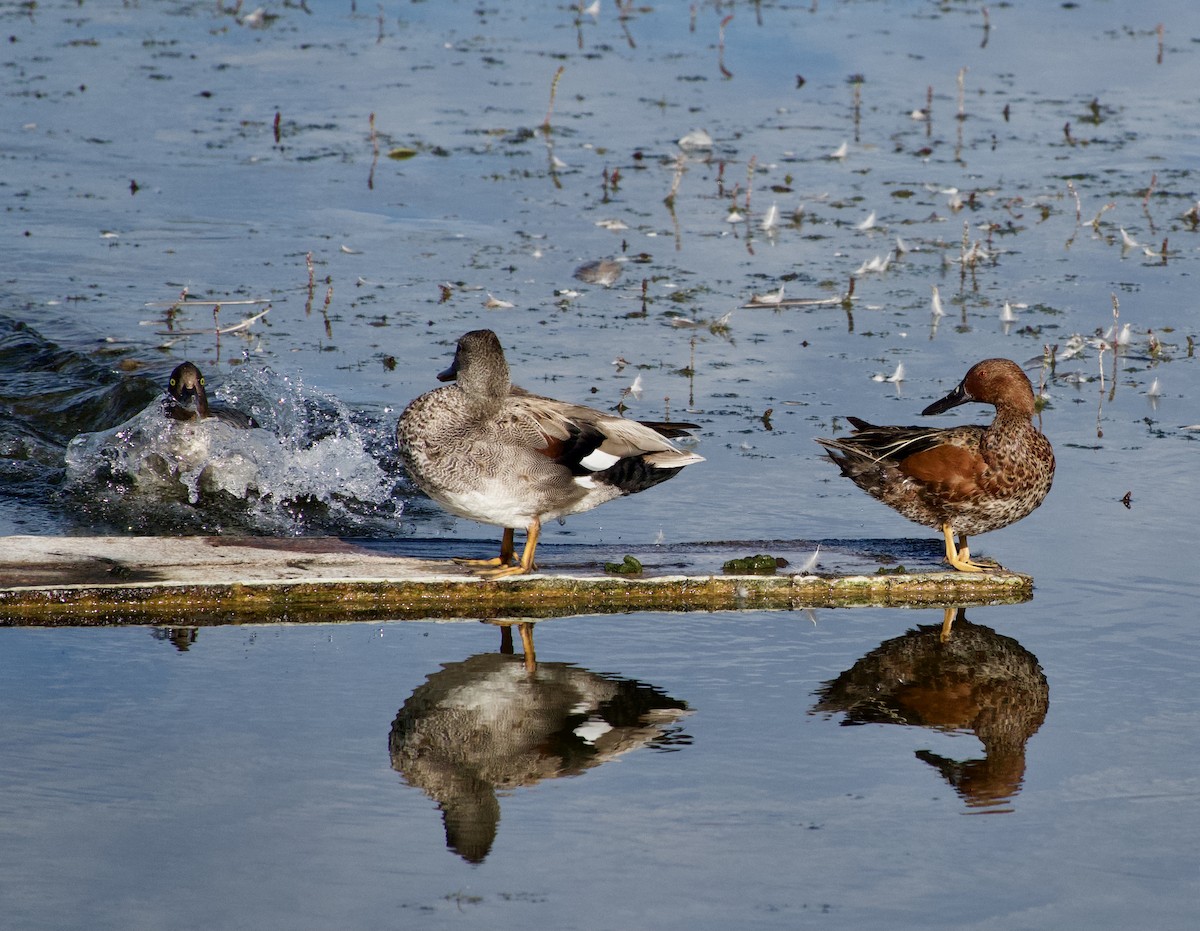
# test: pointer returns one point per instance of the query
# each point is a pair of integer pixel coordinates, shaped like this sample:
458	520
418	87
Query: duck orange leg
959	556
504	559
525	566
949	616
526	629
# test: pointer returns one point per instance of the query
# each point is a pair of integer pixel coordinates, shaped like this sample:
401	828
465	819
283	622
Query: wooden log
198	581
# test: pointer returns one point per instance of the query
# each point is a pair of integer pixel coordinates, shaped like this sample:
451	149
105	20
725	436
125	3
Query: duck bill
188	400
451	374
953	399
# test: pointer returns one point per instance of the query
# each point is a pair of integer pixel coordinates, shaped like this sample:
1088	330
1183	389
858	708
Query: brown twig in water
721	47
1101	212
680	162
374	154
1150	189
856	83
553	91
308	260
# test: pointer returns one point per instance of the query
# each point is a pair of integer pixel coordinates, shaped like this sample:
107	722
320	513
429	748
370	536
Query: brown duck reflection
497	721
961	678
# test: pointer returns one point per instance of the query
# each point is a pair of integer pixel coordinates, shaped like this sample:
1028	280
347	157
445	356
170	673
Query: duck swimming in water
188	400
487	450
961	480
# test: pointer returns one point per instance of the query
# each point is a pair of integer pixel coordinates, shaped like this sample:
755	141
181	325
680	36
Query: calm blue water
249	780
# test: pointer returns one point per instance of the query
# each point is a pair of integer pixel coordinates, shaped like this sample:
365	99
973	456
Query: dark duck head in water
187	400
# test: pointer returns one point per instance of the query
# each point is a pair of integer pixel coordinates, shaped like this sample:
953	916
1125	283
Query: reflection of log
489	724
976	681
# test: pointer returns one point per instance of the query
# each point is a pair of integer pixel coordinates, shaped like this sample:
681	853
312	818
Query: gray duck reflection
181	638
496	721
956	676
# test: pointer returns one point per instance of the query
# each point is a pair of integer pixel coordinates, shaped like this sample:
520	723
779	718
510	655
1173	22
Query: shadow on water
961	679
498	721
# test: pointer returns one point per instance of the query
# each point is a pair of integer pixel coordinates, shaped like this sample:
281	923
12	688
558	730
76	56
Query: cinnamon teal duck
485	449
961	480
187	400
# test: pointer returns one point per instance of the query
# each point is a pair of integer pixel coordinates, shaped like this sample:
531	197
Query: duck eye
202	381
172	382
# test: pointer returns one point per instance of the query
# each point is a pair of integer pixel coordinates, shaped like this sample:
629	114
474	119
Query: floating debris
494	303
630	565
937	303
879	263
770	299
762	564
1121	337
895	378
810	563
696	140
840	152
603	272
718	326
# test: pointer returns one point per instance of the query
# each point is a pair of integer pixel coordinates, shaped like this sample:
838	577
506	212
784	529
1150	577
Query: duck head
479	365
999	382
186	388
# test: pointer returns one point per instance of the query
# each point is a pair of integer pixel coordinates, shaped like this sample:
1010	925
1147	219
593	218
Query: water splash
312	467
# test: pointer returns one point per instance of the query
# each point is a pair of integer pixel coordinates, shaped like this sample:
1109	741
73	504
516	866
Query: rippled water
385	184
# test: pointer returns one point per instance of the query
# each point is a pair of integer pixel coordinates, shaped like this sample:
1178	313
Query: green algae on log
79	581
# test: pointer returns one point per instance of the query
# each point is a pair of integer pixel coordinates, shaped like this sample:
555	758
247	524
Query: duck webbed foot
504	559
526	564
960	556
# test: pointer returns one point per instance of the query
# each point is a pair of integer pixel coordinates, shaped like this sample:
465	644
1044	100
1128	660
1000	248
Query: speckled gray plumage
487	450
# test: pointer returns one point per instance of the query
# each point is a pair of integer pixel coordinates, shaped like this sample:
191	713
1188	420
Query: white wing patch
598	460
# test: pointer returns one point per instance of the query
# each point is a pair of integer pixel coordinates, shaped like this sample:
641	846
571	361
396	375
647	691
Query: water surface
249	779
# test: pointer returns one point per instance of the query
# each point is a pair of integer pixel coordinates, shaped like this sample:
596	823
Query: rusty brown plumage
961	480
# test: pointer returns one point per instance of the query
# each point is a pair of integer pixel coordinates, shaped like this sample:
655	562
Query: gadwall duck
485	449
187	400
961	480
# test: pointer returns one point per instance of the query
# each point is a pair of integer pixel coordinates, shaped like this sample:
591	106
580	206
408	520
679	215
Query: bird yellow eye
172	382
202	382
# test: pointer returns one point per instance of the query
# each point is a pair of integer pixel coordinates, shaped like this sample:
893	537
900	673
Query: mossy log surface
80	581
